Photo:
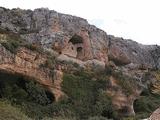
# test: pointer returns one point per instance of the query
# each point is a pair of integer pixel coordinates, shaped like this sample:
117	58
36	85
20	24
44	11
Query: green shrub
34	47
78	88
37	93
145	105
12	42
104	107
27	95
85	95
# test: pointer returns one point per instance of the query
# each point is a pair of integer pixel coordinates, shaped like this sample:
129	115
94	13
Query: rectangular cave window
79	52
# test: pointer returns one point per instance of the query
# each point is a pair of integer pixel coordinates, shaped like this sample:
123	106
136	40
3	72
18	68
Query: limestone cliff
72	39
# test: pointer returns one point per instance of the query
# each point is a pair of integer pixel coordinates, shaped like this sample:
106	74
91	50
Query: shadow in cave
77	41
21	88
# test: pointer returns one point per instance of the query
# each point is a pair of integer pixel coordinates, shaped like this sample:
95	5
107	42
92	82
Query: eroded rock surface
128	51
28	63
66	34
76	41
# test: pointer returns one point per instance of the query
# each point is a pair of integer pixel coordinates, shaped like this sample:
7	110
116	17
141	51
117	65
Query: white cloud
134	19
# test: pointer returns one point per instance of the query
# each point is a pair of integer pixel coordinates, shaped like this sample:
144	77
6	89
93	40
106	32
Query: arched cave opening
77	41
15	87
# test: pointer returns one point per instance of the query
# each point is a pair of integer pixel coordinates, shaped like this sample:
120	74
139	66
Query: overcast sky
131	19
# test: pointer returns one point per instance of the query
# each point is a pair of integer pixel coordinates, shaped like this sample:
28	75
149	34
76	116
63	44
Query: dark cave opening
22	88
76	39
50	96
79	52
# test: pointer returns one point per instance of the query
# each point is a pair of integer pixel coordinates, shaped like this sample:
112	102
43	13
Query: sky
138	20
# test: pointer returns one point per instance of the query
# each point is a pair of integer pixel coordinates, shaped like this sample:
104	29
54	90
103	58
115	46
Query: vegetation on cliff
86	97
102	74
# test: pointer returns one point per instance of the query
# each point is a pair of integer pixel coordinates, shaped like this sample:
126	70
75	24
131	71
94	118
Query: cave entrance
23	89
79	52
77	41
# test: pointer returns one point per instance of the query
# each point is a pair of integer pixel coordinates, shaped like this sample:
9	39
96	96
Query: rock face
73	39
123	102
66	34
73	36
128	51
155	115
27	64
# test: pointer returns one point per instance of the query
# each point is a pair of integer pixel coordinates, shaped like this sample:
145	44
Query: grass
8	112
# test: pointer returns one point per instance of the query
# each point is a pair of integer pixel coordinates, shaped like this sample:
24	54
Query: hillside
54	65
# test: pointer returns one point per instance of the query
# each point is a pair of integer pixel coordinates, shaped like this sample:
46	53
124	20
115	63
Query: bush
37	93
32	98
34	47
12	42
145	105
79	89
104	107
85	95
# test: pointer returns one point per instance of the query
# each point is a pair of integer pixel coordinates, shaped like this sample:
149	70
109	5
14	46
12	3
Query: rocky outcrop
66	34
118	56
73	40
155	115
28	63
128	51
74	37
122	100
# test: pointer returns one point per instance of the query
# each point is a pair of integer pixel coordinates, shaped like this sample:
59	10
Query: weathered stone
155	115
58	78
122	102
55	31
26	63
95	65
128	51
74	41
118	56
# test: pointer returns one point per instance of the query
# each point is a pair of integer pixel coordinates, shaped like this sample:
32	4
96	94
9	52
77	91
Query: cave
77	41
79	52
15	86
